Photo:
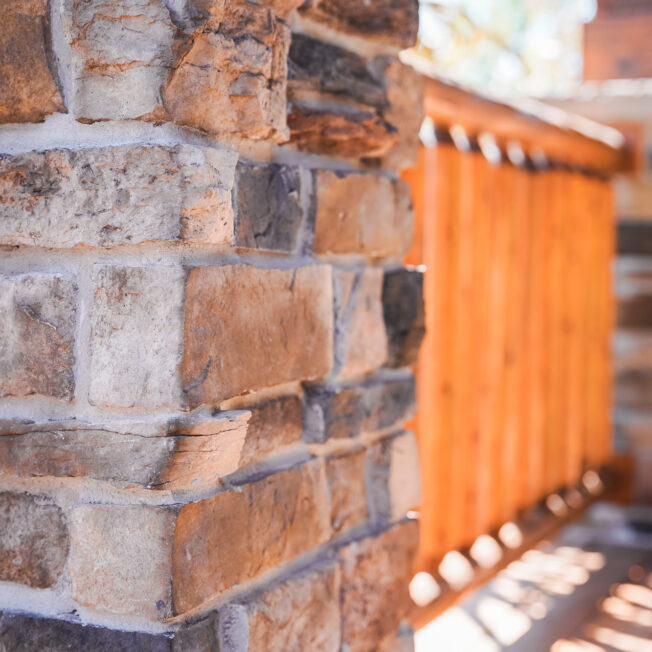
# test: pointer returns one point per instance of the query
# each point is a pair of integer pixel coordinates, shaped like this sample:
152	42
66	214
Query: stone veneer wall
205	327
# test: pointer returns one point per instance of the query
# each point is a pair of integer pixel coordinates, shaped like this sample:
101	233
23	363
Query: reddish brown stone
376	573
282	7
350	134
346	484
272	426
362	214
247	328
231	78
394	22
300	614
28	91
240	534
37	331
33	540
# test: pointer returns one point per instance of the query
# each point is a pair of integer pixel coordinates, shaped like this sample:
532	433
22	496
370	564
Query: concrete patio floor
588	590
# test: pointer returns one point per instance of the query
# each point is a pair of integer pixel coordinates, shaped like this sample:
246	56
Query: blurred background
499	68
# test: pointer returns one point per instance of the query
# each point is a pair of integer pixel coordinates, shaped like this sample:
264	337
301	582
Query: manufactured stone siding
205	330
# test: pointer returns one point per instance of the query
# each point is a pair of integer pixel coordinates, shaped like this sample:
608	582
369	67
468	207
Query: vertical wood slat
538	337
513	377
463	305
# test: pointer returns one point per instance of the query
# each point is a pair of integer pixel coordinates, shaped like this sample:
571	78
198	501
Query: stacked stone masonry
206	331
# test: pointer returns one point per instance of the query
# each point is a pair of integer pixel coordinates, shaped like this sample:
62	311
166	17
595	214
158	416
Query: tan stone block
121	559
33	540
178	453
364	331
38	314
120	53
231	77
404	476
346	484
376	573
393	477
362	214
239	534
405	112
248	328
116	196
137	335
273	426
299	614
28	92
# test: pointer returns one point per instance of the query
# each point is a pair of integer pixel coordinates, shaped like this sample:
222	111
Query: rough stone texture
299	614
239	534
177	454
117	195
393	480
136	335
343	104
346	484
120	54
28	91
273	426
34	634
376	573
38	314
268	207
121	559
315	65
347	132
231	76
33	540
362	322
404	111
374	406
394	22
235	314
362	214
404	315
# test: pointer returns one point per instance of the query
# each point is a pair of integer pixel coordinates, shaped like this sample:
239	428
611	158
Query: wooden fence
515	228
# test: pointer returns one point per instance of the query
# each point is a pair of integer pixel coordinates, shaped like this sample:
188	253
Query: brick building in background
206	330
618	91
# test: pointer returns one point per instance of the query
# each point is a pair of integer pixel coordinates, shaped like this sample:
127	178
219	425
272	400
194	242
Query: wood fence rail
515	228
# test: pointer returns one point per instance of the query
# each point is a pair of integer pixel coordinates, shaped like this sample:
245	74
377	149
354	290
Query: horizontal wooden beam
537	127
